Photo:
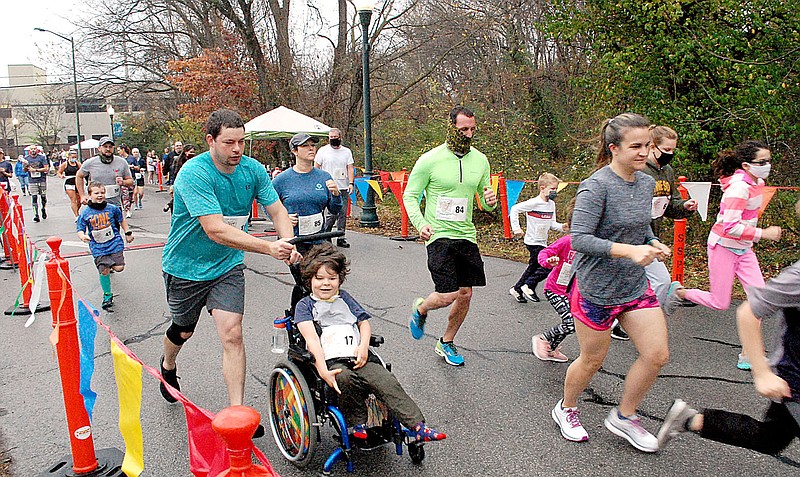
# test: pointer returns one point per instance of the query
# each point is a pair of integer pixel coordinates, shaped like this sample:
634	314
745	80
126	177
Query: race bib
138	176
564	274
112	191
35	175
238	221
103	235
309	224
451	209
540	232
340	341
659	206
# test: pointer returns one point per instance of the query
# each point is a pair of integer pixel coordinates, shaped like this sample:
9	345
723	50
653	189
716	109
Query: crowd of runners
605	276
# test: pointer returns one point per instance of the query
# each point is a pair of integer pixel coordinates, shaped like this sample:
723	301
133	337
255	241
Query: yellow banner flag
561	185
376	187
495	181
128	373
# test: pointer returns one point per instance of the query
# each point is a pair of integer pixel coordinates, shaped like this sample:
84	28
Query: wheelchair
301	404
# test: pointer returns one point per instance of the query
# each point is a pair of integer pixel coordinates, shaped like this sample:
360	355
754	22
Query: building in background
44	112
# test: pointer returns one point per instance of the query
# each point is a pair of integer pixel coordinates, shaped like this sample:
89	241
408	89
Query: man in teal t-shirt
450	175
203	258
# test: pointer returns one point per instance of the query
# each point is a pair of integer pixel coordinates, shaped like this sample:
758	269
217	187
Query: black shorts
454	264
186	298
103	262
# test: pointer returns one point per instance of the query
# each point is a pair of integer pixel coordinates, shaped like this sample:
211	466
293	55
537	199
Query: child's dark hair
570	209
730	160
324	254
612	130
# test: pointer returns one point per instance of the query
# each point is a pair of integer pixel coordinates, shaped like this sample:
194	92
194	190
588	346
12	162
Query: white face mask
762	172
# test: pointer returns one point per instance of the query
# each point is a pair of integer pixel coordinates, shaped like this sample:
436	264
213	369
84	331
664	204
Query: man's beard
106	159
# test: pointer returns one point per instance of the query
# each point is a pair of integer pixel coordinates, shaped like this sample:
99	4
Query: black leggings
771	436
535	273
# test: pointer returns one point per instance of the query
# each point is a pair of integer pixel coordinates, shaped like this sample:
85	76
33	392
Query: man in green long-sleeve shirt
450	175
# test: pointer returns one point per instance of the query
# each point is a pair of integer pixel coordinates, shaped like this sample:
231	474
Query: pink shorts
601	317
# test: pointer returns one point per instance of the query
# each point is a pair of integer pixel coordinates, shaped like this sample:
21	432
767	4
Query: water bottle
279	337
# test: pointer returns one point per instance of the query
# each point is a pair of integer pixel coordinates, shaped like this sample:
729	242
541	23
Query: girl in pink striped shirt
730	243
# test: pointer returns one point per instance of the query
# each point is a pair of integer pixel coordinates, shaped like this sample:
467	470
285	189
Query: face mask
762	172
457	141
666	158
335	142
97	205
552	195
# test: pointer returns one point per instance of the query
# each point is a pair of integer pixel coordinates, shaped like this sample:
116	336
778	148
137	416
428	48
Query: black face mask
552	195
335	142
97	205
665	158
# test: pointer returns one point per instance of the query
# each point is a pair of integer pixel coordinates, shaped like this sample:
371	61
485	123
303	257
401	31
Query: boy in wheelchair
337	333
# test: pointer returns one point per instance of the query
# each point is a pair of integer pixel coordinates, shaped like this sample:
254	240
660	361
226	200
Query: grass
773	256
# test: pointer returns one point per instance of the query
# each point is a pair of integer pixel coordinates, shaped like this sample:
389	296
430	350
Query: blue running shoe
360	431
417	323
449	352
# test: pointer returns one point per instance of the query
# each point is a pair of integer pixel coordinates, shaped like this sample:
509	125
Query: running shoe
423	433
529	294
36	218
171	377
619	334
128	215
360	431
517	294
677	421
417	323
673	301
342	243
743	363
449	352
630	428
569	421
108	302
543	351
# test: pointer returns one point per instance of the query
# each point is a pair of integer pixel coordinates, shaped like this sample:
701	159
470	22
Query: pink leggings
723	267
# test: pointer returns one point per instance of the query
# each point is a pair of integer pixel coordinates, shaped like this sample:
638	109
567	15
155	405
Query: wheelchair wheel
417	452
291	411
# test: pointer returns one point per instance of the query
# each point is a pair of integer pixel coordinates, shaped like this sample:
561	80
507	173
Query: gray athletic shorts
107	261
37	188
186	298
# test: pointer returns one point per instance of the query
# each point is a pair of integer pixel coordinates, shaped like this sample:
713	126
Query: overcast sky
20	44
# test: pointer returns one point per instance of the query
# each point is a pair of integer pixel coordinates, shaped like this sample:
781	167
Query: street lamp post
369	216
15	123
110	111
74	85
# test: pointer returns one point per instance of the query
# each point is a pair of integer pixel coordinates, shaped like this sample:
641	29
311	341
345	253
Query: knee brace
174	333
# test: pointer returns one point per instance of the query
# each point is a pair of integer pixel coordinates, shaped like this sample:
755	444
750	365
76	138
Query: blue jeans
24	183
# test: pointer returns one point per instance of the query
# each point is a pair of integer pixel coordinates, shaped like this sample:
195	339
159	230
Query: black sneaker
35	218
342	243
517	295
108	303
619	334
44	213
171	377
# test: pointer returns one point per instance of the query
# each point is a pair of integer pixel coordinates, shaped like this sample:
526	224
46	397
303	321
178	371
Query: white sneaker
529	294
631	429
675	422
128	215
568	420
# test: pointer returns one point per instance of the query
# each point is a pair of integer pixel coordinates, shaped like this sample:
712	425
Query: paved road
495	409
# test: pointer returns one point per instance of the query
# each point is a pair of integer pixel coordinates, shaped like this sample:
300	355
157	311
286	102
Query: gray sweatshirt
608	210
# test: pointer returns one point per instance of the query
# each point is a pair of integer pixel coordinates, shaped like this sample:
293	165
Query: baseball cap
301	138
106	140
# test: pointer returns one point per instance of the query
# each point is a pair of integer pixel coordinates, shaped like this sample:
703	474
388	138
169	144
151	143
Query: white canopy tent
283	123
87	144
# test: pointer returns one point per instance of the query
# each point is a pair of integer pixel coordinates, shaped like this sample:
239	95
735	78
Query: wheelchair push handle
317	236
